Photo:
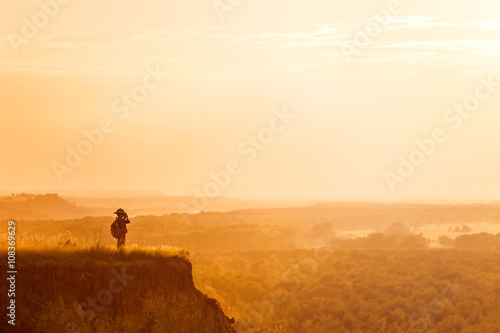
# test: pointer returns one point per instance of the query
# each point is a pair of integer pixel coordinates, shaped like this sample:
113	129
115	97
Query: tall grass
65	244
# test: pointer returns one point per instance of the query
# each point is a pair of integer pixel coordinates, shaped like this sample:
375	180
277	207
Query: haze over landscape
250	166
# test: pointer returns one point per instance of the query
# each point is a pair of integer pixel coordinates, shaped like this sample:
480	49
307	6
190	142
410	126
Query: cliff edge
111	291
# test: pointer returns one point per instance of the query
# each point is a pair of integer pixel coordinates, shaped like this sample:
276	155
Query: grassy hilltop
71	287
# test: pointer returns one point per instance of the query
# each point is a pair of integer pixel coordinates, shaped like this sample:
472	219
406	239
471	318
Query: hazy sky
355	104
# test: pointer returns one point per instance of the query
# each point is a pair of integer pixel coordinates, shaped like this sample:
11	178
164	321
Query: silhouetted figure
119	227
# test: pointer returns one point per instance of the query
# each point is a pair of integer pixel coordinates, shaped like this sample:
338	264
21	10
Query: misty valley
320	267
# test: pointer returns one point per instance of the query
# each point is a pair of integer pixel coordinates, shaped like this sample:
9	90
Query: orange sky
350	118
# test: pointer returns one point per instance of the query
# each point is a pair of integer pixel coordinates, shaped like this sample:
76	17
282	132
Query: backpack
115	230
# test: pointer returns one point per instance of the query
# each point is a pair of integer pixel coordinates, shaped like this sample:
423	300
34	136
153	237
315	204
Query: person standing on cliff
119	227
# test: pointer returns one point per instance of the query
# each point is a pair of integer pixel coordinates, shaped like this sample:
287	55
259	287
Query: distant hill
25	206
40	206
160	204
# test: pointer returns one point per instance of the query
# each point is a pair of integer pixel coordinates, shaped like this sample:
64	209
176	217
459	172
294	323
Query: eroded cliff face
96	293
